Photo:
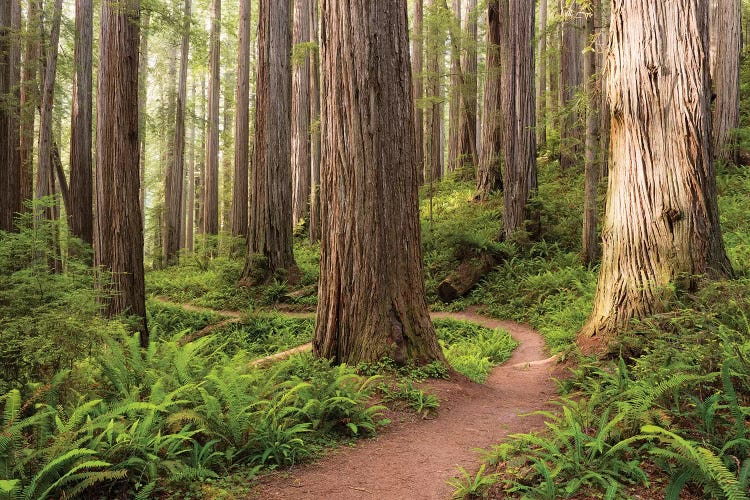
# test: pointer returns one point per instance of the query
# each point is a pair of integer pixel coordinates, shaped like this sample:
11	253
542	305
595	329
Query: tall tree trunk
571	77
467	123
590	241
142	100
553	63
200	184
435	51
301	114
541	85
211	180
372	299
29	99
417	72
519	113
10	159
190	212
489	174
270	231
81	214
456	89
726	42
45	183
662	223
315	131
227	155
242	125
173	183
119	248
604	114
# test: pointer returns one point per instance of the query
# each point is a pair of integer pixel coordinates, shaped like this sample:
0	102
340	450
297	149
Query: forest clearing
374	249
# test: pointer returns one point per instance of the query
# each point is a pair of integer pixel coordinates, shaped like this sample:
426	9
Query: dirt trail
413	460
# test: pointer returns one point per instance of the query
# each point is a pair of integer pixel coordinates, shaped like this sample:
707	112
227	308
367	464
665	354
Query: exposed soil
413	459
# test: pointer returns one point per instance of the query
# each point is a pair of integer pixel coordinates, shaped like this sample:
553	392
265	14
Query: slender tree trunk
142	100
200	189
372	300
119	249
211	180
489	174
315	130
456	88
604	114
541	86
270	231
301	115
81	214
45	183
190	215
726	44
571	77
435	50
29	99
10	158
662	223
417	72
173	182
242	125
467	123
519	113
227	155
553	72
590	240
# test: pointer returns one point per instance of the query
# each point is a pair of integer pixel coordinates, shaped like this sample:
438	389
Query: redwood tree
467	123
10	160
119	245
315	131
301	112
242	125
270	231
371	294
661	228
417	68
211	179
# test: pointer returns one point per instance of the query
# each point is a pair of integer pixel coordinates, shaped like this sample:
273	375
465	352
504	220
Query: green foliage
468	486
417	399
264	334
165	320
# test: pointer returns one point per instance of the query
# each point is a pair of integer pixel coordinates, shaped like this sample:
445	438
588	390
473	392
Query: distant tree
590	240
661	228
726	42
211	179
301	172
456	89
315	130
190	206
29	98
10	159
467	139
435	42
142	101
371	294
119	245
571	78
242	125
417	70
541	83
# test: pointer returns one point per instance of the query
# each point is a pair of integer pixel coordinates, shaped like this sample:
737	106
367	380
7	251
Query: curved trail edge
413	458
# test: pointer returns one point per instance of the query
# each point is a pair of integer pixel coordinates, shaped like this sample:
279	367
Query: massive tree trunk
661	228
467	122
270	231
519	113
435	38
371	295
119	248
173	182
242	125
571	77
417	70
10	159
541	84
301	114
726	41
81	210
590	241
489	174
315	132
456	88
29	99
211	179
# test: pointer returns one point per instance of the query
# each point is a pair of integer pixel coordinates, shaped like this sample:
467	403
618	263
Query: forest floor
413	458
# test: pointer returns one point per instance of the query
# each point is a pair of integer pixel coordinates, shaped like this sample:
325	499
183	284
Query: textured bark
242	125
435	39
467	123
211	179
10	159
662	224
726	41
29	99
270	231
301	115
456	88
590	241
80	206
227	143
417	72
371	295
489	174
119	248
173	182
315	132
200	183
571	77
519	113
190	208
466	276
45	180
541	84
142	100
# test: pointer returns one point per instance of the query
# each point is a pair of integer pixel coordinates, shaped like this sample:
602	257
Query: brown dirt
413	459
